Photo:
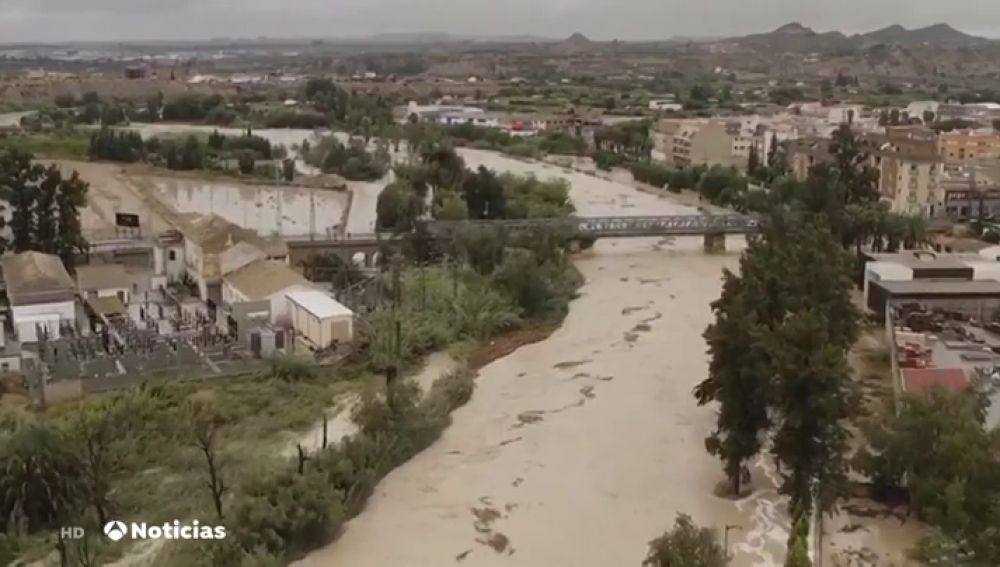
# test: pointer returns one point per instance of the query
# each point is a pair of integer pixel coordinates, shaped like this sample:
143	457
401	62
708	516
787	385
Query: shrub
452	391
113	145
297	119
287	514
190	107
258	146
291	369
608	160
65	100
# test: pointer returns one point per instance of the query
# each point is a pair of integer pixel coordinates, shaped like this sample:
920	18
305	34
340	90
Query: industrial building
41	295
962	283
319	319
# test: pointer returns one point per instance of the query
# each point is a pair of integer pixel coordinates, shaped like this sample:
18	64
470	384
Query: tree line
438	184
352	161
44	205
779	376
192	152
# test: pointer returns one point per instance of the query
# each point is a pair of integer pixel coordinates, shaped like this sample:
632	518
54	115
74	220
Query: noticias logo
116	530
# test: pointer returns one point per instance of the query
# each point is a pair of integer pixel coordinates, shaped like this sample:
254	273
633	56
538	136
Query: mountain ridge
794	36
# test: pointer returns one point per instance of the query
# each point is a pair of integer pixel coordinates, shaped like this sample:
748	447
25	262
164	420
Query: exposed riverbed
578	450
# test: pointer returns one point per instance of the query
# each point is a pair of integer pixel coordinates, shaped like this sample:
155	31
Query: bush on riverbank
112	145
535	146
439	308
291	513
139	459
353	162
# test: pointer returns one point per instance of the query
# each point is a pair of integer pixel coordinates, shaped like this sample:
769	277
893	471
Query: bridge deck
630	226
595	227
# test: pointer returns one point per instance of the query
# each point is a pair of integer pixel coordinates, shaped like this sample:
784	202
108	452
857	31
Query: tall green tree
852	163
812	394
738	379
44	206
46	219
937	450
71	196
753	162
18	176
484	195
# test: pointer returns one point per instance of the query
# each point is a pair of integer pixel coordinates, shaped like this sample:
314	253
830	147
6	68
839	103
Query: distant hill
796	37
576	43
938	35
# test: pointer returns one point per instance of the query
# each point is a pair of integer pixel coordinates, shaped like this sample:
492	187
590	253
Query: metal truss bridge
617	227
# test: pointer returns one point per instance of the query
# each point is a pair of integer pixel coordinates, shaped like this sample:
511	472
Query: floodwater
268	209
298	212
578	450
13	119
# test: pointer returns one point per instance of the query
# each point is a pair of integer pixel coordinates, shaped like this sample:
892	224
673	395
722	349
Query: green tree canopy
686	545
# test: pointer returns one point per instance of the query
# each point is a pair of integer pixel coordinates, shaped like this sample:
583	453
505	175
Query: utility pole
725	537
423	286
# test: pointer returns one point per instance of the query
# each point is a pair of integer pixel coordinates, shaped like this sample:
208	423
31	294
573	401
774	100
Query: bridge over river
582	229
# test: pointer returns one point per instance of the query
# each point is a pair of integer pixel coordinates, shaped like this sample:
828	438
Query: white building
41	294
667	105
206	239
319	318
264	280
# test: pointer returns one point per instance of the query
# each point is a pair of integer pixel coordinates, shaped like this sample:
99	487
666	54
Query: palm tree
40	480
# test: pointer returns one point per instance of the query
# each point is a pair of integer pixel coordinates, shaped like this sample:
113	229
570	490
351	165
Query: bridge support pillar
715	243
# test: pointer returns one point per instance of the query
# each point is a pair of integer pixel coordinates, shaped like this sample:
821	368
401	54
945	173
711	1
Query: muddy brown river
578	450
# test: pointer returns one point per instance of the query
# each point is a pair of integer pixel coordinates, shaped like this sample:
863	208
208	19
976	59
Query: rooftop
214	234
941	287
105	276
262	278
319	304
34	273
925	260
920	379
109	306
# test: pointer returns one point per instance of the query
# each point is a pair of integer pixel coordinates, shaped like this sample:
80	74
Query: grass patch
58	145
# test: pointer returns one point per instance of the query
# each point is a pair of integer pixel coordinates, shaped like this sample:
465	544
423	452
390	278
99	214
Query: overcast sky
102	20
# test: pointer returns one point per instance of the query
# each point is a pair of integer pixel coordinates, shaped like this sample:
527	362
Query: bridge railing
334	237
611	225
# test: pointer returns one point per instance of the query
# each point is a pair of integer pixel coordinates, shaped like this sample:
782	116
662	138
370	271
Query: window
172	255
5	367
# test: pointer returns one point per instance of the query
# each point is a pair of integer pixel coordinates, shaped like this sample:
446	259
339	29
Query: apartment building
703	142
971	190
917	142
911	184
803	154
969	145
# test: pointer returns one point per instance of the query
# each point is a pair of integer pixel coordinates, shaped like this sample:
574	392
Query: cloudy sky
105	20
